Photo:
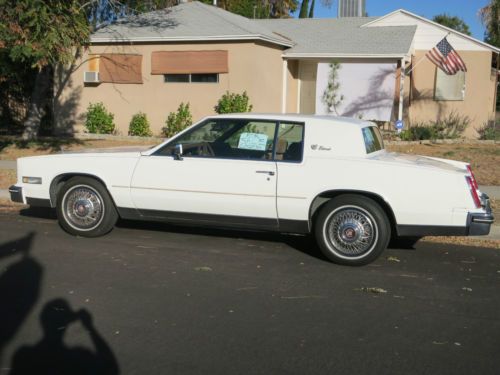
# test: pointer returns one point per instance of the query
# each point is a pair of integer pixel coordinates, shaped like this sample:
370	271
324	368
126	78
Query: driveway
156	299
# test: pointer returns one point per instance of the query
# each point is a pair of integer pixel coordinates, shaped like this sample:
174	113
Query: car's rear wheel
84	208
352	230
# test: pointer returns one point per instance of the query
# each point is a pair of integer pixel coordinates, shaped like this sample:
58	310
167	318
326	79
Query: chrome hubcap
83	207
351	231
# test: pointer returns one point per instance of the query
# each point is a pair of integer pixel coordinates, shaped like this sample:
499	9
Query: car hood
421	161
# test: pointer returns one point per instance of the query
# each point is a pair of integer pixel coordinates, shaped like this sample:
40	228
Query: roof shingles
342	36
197	21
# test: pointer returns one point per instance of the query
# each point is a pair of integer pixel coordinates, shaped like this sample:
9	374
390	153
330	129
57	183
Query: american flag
446	58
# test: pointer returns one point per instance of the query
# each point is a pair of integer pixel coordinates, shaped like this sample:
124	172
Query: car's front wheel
84	208
352	230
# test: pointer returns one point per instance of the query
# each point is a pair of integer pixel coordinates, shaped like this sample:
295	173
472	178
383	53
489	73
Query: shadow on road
51	356
39	212
303	243
20	289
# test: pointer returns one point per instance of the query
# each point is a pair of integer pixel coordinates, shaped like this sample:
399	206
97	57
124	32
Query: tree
307	11
258	9
38	35
490	16
453	22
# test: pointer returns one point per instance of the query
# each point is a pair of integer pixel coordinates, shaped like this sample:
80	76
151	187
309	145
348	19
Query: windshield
373	139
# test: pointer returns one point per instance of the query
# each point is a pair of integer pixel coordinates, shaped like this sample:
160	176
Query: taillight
473	191
473	178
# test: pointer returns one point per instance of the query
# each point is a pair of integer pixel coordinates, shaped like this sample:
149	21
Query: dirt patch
495	206
11	149
6	205
465	241
484	158
8	177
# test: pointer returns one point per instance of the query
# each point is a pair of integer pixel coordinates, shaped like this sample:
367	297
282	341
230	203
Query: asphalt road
156	299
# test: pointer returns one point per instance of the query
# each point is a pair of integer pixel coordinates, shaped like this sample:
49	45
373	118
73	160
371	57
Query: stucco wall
292	86
254	67
479	100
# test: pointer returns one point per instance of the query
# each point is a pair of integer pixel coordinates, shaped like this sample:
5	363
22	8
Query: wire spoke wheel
83	207
351	231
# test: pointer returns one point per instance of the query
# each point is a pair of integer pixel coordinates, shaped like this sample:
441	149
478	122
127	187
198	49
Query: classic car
321	175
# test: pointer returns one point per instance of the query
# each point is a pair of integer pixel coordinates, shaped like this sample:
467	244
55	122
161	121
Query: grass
484	158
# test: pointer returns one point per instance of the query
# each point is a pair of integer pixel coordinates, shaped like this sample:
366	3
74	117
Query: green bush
490	131
99	120
418	133
139	125
450	127
177	121
233	103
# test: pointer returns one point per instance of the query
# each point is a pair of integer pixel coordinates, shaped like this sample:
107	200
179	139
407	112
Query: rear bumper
478	224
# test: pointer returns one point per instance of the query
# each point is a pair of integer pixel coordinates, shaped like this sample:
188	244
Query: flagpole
422	58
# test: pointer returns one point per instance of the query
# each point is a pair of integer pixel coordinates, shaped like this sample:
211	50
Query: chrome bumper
479	223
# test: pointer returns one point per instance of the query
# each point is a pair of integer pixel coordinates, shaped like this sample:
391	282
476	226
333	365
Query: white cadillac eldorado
289	173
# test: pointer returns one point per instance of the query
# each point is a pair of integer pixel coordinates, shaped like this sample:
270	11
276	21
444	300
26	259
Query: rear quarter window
373	139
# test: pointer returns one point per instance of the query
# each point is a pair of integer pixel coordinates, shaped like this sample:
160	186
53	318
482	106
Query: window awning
185	62
120	68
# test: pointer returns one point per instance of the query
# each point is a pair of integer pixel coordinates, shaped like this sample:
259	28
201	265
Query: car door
226	174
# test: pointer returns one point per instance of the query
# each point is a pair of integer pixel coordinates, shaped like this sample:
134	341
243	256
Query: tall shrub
233	103
177	121
99	120
331	96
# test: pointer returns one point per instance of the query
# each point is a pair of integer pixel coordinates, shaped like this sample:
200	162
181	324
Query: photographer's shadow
51	355
19	287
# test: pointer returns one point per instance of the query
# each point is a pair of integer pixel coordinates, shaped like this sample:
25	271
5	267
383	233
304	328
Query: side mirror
178	151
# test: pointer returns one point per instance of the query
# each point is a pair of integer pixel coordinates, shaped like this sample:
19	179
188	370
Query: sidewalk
8	164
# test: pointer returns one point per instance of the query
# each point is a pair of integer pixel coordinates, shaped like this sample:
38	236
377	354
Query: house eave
161	39
342	56
450	30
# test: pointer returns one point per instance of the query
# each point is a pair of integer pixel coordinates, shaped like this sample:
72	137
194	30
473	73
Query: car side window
227	138
289	146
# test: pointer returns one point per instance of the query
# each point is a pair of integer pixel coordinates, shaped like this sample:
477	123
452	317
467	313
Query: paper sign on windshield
253	141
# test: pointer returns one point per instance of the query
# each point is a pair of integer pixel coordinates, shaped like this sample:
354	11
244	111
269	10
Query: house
195	52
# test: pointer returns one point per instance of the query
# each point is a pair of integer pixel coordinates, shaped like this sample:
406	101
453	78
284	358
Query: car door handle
270	173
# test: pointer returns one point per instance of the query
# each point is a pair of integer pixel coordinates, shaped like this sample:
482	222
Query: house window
192	78
449	88
190	66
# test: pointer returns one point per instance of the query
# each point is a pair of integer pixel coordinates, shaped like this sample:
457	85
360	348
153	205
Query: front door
226	174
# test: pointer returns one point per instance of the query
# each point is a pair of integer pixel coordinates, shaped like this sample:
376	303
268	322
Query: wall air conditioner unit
91	77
